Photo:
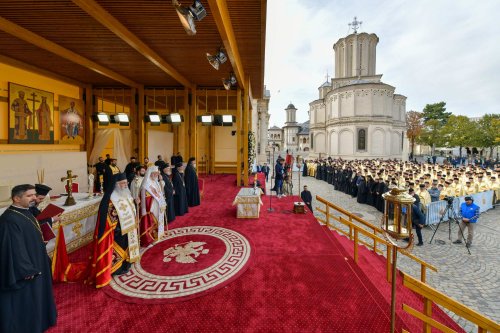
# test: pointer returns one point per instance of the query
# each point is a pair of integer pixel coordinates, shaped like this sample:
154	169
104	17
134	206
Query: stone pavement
473	280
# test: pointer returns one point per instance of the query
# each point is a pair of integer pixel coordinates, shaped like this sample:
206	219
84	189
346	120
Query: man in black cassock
191	181
180	198
168	190
41	192
26	298
130	169
100	168
307	197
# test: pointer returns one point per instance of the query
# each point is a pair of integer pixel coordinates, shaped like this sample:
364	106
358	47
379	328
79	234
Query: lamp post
270	209
396	225
299	166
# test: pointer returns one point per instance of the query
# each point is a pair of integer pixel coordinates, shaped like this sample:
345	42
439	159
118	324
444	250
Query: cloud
429	50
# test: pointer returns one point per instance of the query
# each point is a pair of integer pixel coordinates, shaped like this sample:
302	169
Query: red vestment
148	224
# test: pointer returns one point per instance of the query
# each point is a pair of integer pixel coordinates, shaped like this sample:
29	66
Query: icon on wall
71	120
31	115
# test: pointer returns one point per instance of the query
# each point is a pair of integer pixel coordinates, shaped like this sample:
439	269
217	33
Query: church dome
290	106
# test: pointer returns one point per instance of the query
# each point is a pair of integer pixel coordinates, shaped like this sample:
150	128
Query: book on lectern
50	211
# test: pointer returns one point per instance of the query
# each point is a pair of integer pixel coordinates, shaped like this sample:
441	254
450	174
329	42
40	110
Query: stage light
175	118
153	118
120	118
218	59
228	83
206	120
187	15
227	118
102	118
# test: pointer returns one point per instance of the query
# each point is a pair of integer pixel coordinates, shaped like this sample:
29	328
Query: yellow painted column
193	129
134	122
246	111
89	123
187	123
239	138
141	126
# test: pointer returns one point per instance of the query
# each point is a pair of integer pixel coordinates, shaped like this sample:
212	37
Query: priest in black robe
362	191
100	169
180	198
168	190
26	299
41	192
191	182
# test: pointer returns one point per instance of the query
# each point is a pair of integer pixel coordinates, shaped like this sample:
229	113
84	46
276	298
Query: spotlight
153	118
224	120
120	118
218	59
206	120
227	119
187	15
102	118
228	83
173	118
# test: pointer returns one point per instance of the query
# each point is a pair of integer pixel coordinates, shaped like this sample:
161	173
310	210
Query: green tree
414	126
459	131
488	132
435	117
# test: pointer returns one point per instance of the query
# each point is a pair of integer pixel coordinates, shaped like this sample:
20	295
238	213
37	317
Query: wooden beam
193	137
109	21
89	123
220	14
40	71
134	123
141	126
43	43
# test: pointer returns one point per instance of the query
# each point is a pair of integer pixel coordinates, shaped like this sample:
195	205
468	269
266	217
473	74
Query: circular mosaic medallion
190	262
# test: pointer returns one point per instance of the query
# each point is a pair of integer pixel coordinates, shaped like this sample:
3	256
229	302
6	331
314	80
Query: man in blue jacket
470	213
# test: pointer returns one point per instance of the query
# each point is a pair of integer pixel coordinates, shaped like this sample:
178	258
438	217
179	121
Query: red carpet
300	280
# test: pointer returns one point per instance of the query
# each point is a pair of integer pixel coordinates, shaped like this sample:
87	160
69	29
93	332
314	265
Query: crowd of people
135	209
367	180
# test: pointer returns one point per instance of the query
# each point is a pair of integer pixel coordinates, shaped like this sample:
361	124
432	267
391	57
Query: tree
435	117
488	132
458	131
414	124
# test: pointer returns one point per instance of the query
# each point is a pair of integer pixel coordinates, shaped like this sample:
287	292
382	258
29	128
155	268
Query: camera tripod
452	216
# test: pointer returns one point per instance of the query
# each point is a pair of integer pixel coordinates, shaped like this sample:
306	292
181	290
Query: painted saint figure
44	120
21	113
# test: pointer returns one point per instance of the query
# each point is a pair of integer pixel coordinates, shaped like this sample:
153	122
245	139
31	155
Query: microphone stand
270	209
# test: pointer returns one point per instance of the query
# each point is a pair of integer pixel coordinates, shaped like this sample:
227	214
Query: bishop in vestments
153	207
116	242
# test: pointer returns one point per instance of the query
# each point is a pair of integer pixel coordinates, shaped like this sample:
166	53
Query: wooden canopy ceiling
133	43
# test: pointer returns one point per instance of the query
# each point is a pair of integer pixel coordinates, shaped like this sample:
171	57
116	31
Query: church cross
31	122
355	24
327	76
359	70
70	201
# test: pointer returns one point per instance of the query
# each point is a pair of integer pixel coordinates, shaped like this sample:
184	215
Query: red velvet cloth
148	224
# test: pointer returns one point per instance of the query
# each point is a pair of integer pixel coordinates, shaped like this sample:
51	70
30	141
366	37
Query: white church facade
293	136
357	116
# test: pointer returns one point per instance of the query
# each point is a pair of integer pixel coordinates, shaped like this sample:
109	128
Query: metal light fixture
396	226
207	119
153	117
188	15
218	59
120	118
102	118
228	83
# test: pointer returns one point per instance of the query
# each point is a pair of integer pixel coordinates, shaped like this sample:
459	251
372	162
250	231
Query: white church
357	116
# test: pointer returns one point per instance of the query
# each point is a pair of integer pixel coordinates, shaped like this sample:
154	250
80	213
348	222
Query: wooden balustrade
358	226
431	295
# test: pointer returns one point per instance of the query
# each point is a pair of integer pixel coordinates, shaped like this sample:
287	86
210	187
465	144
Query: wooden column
211	152
193	137
239	137
141	126
246	111
134	123
187	123
89	122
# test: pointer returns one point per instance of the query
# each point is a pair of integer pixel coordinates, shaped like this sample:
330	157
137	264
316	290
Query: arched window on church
361	139
293	139
312	141
304	140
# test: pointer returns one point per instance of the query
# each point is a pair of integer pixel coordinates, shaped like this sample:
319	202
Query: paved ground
473	280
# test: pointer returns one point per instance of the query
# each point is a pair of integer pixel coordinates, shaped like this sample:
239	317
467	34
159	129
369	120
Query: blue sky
430	50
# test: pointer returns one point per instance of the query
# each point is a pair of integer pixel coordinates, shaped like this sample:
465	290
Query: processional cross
70	201
32	122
